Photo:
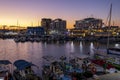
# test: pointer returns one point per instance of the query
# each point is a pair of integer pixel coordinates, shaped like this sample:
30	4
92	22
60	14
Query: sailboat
110	55
112	51
108	50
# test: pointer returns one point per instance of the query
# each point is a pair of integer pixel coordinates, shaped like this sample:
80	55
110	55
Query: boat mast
109	25
110	15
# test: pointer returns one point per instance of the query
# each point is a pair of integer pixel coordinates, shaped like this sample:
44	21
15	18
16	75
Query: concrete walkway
111	76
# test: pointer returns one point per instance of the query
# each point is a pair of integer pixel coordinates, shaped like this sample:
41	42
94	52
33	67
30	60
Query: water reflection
81	47
91	49
72	47
34	52
17	51
117	45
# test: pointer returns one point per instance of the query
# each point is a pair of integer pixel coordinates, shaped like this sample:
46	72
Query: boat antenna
18	27
38	23
17	23
109	24
113	23
32	24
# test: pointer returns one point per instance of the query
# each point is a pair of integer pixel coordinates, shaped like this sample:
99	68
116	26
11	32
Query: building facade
58	26
88	23
45	23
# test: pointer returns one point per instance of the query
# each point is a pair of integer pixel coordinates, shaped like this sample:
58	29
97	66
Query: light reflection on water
33	52
117	45
91	48
81	47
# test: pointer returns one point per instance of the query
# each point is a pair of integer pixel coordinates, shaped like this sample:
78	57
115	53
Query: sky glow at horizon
28	11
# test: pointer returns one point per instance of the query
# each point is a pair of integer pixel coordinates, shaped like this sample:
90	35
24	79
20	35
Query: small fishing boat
5	72
113	51
60	69
24	70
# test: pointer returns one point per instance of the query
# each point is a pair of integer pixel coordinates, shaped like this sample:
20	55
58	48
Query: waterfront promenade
112	76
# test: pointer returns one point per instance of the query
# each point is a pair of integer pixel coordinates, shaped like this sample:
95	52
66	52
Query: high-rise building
45	23
58	26
88	23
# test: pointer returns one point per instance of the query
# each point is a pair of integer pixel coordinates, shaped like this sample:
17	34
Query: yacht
5	72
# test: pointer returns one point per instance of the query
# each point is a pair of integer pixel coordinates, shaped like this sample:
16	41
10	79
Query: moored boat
5	72
110	55
24	71
63	70
113	51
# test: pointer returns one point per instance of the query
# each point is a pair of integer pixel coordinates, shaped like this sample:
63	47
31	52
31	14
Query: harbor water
34	52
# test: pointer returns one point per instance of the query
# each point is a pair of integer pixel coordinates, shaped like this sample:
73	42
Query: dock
111	76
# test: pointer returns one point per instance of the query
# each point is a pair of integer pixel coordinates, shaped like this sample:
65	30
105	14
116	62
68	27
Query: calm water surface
34	52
